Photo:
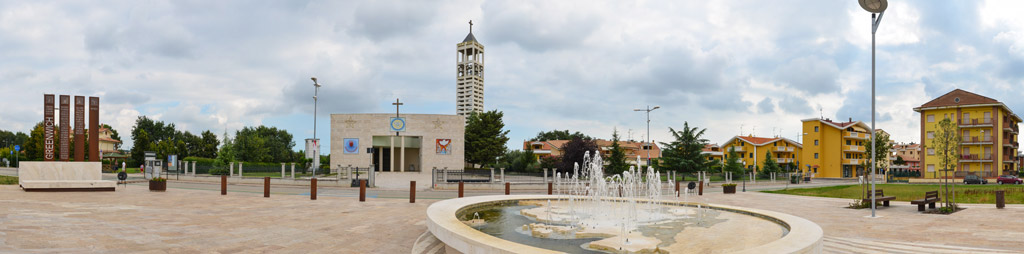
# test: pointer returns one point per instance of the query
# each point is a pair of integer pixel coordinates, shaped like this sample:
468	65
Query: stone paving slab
979	226
198	221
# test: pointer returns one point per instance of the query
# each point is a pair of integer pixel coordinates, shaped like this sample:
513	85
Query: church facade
407	143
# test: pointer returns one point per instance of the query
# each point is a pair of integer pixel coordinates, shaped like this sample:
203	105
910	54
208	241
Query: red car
1009	179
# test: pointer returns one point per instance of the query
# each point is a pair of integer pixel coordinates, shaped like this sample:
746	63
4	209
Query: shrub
219	171
158	179
729	185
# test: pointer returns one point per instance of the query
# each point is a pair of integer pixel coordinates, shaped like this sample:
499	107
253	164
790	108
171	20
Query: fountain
621	213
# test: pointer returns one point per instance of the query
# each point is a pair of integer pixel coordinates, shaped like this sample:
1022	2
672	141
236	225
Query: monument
65	175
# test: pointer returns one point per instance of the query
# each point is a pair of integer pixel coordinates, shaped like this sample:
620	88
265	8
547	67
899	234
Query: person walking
142	168
124	166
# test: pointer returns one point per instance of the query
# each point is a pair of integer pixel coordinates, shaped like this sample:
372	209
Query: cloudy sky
729	66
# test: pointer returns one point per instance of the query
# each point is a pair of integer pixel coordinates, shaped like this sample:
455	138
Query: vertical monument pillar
65	127
48	123
79	128
94	128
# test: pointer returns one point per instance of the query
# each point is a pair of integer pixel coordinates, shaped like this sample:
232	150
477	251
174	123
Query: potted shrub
729	188
158	184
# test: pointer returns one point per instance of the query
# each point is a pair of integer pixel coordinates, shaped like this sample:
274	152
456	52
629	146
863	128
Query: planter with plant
729	188
158	184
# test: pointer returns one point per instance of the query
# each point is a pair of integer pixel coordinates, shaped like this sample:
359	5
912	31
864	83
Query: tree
33	146
881	151
769	165
946	142
519	161
263	144
550	161
573	151
559	135
226	154
617	159
899	161
685	152
141	144
485	137
208	147
732	163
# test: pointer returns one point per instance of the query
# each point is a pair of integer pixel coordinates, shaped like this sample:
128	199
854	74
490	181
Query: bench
929	198
879	196
63	176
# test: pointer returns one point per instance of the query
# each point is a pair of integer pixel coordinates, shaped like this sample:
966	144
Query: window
931	168
967	115
815	128
847	142
815	142
743	155
967	167
931	118
751	155
931	151
931	134
815	155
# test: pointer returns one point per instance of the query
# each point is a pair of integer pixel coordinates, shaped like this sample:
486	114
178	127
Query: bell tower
469	79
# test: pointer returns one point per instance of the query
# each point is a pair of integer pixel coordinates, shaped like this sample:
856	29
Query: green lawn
979	194
8	180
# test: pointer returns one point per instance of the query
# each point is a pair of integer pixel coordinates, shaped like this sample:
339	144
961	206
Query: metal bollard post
677	188
508	188
549	187
460	189
312	189
266	187
1000	201
223	184
362	190
412	191
700	191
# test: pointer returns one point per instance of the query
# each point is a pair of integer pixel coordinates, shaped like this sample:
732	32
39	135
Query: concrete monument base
63	176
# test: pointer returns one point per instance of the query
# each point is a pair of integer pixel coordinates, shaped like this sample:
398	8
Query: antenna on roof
741	129
754	132
820	114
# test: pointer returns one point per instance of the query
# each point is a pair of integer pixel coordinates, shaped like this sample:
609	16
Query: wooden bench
929	198
879	196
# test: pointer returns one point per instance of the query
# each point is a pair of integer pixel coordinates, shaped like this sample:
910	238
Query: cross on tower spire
470	26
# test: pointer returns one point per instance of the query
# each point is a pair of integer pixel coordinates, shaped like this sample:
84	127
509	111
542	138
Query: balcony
852	161
784	160
1012	128
856	135
976	140
1009	159
975	122
975	158
783	148
858	149
736	148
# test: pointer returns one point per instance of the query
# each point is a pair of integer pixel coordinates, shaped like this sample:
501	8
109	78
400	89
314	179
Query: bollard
266	187
1000	202
460	189
412	191
677	188
362	190
223	184
620	191
700	191
508	187
549	188
312	189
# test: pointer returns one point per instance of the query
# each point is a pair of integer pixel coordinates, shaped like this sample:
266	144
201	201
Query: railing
737	148
1009	127
856	135
851	161
981	173
853	148
974	122
975	157
976	140
783	148
456	175
785	160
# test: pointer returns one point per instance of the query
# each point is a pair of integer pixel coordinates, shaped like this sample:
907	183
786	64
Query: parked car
1009	179
974	179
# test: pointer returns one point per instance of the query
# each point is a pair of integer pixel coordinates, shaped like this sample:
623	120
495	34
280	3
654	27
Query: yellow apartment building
835	149
714	152
988	132
751	150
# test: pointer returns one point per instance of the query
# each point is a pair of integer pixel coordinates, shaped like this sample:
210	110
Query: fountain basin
801	235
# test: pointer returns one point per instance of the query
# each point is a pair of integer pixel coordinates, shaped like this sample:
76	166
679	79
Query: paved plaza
195	218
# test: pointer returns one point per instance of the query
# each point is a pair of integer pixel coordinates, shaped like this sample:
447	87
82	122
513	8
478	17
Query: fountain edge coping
804	236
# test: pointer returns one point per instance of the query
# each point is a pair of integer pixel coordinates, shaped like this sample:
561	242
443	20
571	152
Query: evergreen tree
617	159
732	163
769	165
208	147
685	153
141	144
485	137
559	135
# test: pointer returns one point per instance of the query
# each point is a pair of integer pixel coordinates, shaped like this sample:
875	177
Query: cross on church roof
470	26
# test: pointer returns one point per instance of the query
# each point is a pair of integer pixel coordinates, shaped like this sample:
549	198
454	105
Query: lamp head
873	6
316	84
656	107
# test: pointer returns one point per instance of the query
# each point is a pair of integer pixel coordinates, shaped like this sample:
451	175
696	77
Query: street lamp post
874	7
647	140
316	143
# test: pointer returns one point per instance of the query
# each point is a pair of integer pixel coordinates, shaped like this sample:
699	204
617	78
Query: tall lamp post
647	141
874	7
316	143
